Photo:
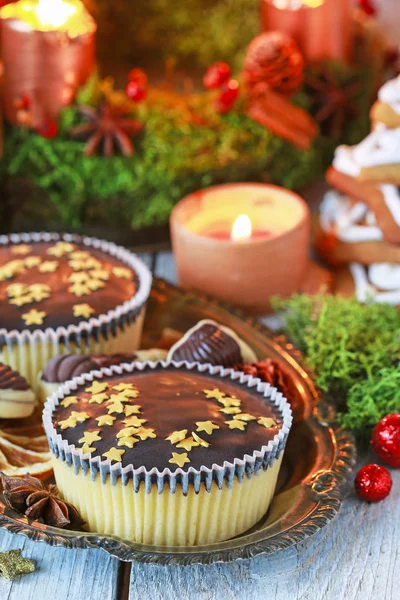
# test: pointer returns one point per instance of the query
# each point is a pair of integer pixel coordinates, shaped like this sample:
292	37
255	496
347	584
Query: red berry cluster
218	77
137	90
373	482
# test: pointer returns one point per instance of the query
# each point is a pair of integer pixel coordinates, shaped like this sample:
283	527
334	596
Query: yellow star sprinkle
21	249
70	422
214	394
60	248
105	420
79	290
39	295
145	432
96	387
179	459
177	436
230	410
80	277
21	300
79	254
187	444
90	436
266	422
32	261
236	424
83	310
199	440
134	421
48	266
207	426
100	274
122	272
98	398
130	393
118	398
228	402
34	317
94	284
129	442
87	448
39	287
123	386
127	432
16	289
245	417
80	416
132	409
68	401
116	407
114	454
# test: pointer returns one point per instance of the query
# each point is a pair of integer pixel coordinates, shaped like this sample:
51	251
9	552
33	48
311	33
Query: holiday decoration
273	61
48	52
48	129
136	90
216	75
107	130
373	483
13	564
227	96
386	440
368	6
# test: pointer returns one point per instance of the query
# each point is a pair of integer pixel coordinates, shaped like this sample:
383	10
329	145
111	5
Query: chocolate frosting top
12	380
66	366
170	400
66	283
208	343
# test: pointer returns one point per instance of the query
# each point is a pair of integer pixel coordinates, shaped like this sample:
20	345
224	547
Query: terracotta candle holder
216	252
48	50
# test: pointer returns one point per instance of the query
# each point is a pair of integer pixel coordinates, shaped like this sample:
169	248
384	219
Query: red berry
23	102
386	440
229	93
48	130
373	483
368	7
136	91
216	75
139	76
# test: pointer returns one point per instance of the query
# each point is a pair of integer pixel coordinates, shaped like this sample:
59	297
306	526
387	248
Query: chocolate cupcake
210	342
168	453
62	293
17	399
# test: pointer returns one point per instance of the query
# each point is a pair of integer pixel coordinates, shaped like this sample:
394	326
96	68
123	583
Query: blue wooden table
356	557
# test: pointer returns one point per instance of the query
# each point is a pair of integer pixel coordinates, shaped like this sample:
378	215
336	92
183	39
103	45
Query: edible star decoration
80	277
187	444
214	394
115	407
79	254
87	448
34	317
130	393
126	432
129	442
132	409
96	387
79	416
73	419
90	436
122	272
95	284
113	454
98	398
83	310
200	440
16	289
118	398
245	417
48	266
236	424
32	261
21	249
145	433
68	401
266	422
177	436
60	248
13	564
230	410
100	274
207	426
120	387
134	421
228	402
179	459
105	420
21	300
79	289
10	269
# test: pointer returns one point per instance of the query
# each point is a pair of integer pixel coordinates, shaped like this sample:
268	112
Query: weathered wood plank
60	574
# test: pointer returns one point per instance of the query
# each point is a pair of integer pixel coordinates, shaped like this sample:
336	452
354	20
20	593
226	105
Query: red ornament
227	97
139	76
23	102
136	91
216	75
48	130
386	440
368	7
373	483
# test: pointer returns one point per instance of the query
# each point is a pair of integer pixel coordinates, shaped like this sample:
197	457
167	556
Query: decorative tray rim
325	485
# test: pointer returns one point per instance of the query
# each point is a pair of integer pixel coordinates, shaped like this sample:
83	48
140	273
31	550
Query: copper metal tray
317	462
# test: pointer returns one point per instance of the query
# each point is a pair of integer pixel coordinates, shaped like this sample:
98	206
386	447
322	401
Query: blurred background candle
322	28
241	243
48	50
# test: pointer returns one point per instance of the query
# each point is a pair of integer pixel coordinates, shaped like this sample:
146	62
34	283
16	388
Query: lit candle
242	243
322	28
48	49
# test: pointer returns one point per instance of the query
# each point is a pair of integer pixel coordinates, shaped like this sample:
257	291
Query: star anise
30	497
333	101
107	129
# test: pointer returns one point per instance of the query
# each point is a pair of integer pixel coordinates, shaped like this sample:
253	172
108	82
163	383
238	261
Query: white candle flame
241	229
54	13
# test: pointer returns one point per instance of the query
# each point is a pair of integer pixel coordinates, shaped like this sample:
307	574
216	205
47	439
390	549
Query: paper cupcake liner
240	469
118	330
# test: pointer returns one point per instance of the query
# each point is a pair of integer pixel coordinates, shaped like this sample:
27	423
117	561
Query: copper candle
48	49
241	243
322	28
